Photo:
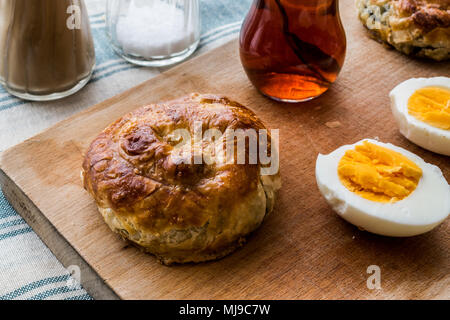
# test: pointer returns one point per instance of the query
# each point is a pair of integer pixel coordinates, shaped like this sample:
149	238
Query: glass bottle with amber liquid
292	50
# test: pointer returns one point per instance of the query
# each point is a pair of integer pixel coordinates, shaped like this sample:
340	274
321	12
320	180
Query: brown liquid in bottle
292	50
41	58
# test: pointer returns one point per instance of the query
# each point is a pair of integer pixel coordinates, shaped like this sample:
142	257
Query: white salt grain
158	29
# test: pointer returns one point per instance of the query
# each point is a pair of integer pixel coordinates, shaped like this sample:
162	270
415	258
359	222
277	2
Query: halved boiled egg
383	188
421	107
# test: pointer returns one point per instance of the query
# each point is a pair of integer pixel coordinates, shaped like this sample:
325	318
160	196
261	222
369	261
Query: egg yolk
377	173
431	105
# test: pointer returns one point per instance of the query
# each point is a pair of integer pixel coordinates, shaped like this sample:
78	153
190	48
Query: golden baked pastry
415	27
178	211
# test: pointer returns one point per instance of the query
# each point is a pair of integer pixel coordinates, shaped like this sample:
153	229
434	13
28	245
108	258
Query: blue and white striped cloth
28	269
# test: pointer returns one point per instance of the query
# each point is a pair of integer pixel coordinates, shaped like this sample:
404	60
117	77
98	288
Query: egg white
419	132
425	208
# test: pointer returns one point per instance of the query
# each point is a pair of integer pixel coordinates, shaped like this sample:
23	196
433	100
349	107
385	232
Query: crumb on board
333	124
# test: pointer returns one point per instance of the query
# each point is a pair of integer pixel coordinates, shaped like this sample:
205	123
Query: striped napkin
28	269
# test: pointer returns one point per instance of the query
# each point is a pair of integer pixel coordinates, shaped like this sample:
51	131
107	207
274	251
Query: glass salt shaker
153	33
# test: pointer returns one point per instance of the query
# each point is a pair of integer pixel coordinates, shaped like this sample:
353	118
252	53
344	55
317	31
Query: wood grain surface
303	250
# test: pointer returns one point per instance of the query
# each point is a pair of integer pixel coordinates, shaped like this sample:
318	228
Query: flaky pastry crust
177	211
415	27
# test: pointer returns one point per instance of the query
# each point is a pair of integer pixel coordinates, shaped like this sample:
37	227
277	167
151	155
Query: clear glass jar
292	50
153	33
46	48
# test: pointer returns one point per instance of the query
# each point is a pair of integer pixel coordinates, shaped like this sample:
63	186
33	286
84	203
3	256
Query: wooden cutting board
303	250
